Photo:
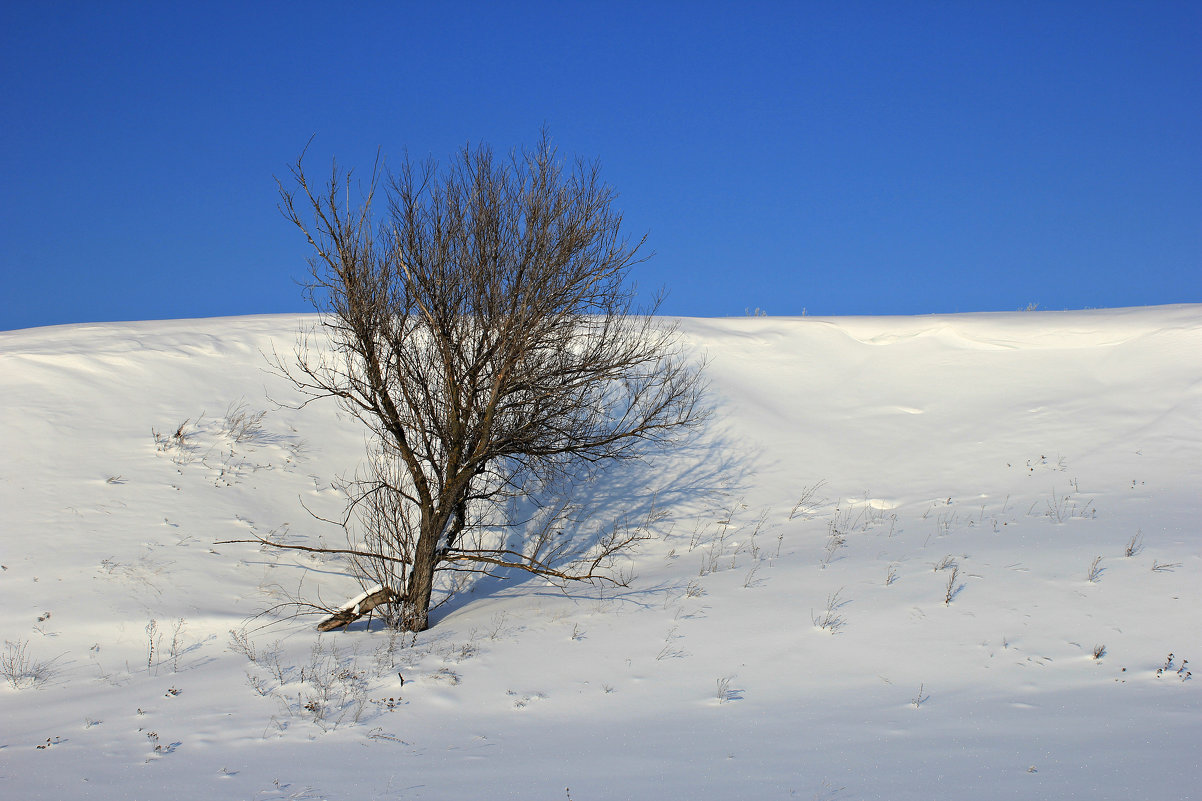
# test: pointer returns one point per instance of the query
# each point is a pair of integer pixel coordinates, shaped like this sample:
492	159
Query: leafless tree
484	330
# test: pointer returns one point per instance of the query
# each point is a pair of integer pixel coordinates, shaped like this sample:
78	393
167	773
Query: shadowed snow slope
906	558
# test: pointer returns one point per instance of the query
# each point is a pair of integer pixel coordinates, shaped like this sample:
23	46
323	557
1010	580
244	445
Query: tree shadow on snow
678	482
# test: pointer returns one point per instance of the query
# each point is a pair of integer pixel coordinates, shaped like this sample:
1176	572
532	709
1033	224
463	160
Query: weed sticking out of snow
829	618
920	697
1135	545
725	693
953	587
21	669
1173	669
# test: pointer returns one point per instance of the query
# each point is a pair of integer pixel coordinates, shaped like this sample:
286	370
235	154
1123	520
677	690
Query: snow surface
855	472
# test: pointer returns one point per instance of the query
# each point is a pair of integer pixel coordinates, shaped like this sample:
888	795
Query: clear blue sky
838	157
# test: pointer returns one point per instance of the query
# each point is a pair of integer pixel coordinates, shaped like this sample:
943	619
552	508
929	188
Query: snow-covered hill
908	558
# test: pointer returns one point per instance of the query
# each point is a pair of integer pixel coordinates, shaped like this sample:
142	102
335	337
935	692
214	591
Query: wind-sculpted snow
908	557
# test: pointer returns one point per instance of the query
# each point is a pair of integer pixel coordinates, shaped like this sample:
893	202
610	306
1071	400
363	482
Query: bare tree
483	329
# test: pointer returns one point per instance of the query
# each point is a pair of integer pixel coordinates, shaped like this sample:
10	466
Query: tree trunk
415	611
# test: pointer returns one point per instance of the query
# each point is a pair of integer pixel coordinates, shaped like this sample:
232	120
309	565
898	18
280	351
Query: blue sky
833	157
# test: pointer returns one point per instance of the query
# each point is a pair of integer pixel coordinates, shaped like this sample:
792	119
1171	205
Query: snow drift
909	557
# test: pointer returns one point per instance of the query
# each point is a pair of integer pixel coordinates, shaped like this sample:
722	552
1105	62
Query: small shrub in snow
946	562
153	641
242	424
497	626
176	649
522	700
20	669
445	676
830	619
1063	507
669	651
176	444
1095	570
241	643
834	541
808	504
457	652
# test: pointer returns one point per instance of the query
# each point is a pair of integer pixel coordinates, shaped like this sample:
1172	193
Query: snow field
886	569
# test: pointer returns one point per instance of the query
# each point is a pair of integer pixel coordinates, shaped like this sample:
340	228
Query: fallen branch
356	608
